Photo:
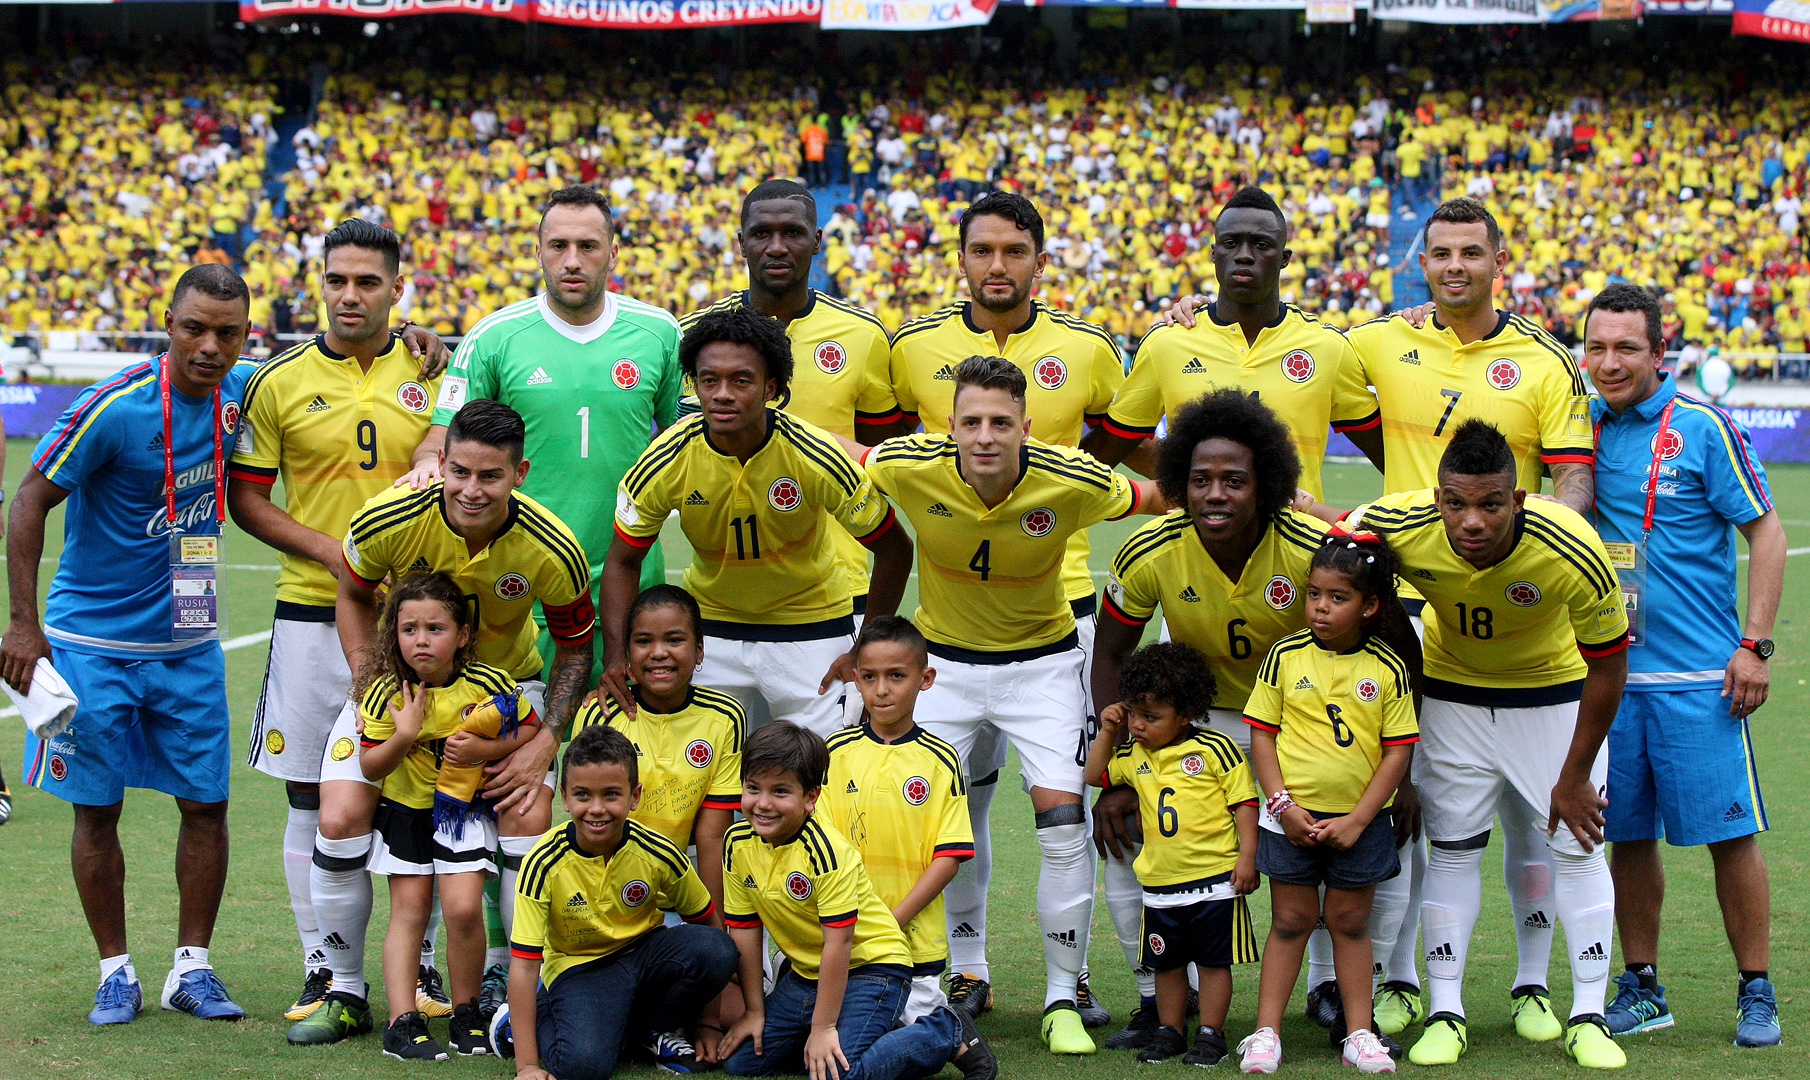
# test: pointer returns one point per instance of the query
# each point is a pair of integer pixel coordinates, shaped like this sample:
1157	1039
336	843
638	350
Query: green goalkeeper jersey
591	397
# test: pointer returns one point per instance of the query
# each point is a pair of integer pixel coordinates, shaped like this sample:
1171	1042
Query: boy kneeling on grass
1198	806
835	1007
589	931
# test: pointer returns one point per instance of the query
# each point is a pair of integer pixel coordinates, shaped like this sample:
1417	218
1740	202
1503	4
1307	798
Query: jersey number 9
367	443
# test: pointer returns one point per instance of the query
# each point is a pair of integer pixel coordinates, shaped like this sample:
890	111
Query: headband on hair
1354	539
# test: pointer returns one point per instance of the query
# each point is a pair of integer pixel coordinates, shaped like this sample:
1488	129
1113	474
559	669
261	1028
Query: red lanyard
1659	445
169	449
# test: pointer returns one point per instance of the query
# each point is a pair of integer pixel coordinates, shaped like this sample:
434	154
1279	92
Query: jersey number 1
584	432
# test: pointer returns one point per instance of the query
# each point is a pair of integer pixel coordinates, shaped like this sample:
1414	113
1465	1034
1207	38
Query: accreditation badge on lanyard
1630	559
195	612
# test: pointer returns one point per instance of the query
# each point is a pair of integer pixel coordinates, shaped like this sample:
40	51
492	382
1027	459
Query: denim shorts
1370	861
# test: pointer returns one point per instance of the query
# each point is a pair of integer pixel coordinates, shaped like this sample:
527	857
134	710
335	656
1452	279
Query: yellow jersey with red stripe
412	782
796	888
1072	369
1188	793
1298	366
903	805
689	760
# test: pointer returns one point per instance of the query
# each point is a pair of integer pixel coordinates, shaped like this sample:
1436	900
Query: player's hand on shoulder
427	348
615	683
23	644
1417	315
1181	313
422	476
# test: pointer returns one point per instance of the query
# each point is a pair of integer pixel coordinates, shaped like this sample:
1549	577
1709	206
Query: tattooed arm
1575	486
515	780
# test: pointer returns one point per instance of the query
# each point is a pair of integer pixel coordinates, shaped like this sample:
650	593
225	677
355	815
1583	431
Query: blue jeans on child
875	1046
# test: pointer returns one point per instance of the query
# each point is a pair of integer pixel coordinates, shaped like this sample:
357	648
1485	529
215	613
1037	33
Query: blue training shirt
111	593
1714	484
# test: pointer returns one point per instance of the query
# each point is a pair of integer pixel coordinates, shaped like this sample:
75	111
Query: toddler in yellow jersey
1333	730
433	717
1198	807
896	791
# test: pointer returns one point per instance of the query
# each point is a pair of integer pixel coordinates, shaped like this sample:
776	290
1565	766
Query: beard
1019	292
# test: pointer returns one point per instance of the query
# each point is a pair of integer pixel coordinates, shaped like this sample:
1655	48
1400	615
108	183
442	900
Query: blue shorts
160	724
1681	769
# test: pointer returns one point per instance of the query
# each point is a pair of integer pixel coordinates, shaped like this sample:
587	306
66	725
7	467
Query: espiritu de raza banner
1784	20
604	14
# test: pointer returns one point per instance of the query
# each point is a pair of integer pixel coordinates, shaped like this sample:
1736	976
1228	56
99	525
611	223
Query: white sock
1527	871
1065	899
342	903
1387	906
497	955
188	958
111	964
515	848
965	898
1404	962
432	931
1125	903
1319	952
1449	904
298	863
1585	898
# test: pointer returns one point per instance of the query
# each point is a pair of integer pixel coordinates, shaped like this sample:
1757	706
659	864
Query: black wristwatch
1762	647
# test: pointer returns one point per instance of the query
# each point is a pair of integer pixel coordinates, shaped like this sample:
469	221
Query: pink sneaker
1366	1053
1261	1051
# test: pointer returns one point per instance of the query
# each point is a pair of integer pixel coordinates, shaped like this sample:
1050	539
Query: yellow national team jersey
535	557
990	580
571	908
412	783
763	552
1518	379
902	805
689	760
797	888
1233	623
1332	713
1510	635
1187	795
337	435
1299	367
1072	368
840	381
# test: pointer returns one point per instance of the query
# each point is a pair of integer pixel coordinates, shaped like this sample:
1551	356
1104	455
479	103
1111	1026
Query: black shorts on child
1211	934
1370	861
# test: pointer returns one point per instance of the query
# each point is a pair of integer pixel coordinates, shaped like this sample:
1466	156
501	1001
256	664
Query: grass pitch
46	997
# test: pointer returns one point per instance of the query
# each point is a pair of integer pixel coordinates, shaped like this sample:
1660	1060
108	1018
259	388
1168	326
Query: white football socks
342	903
433	931
298	863
1125	903
1065	898
965	898
1387	907
1585	898
188	958
1319	952
515	848
1527	870
1450	901
111	964
1403	962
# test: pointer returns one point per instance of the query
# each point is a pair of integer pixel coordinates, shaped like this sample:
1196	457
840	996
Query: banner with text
1503	11
603	14
1781	20
906	14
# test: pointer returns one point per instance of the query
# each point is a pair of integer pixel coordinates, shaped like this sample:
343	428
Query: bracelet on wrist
1279	803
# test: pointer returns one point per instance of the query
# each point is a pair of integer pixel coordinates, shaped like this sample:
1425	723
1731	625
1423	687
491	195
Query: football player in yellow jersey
755	490
1072	370
688	736
993	510
789	870
1526	641
840	353
897	792
1250	339
592	966
334	417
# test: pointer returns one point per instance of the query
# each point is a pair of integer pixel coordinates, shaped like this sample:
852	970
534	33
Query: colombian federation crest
1671	447
785	494
511	586
1523	594
1298	366
1504	374
1038	522
635	893
413	397
698	754
626	374
1367	689
831	358
229	417
1279	593
1193	764
798	887
1050	372
917	789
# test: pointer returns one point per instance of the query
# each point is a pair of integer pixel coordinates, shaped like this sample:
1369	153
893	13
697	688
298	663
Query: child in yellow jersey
689	736
593	967
1198	808
835	1007
1334	728
896	791
425	703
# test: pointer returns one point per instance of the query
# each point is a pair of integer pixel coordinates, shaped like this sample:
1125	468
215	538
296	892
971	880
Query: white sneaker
1366	1053
1261	1051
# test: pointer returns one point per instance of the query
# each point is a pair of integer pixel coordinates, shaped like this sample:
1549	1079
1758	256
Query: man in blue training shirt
152	710
1674	479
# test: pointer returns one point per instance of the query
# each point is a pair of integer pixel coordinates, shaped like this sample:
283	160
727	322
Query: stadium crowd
1688	185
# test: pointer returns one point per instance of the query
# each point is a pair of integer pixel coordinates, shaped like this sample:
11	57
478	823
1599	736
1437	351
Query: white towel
50	706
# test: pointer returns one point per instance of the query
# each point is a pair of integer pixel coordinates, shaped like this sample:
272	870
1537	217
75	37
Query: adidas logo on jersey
944	374
1594	952
1537	921
1425	575
421	566
1188	595
852	789
1412	356
748	882
1735	813
1144	768
576	902
1304	684
540	377
1194	367
335	942
1062	937
696	498
939	510
155	446
319	404
964	930
1442	951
